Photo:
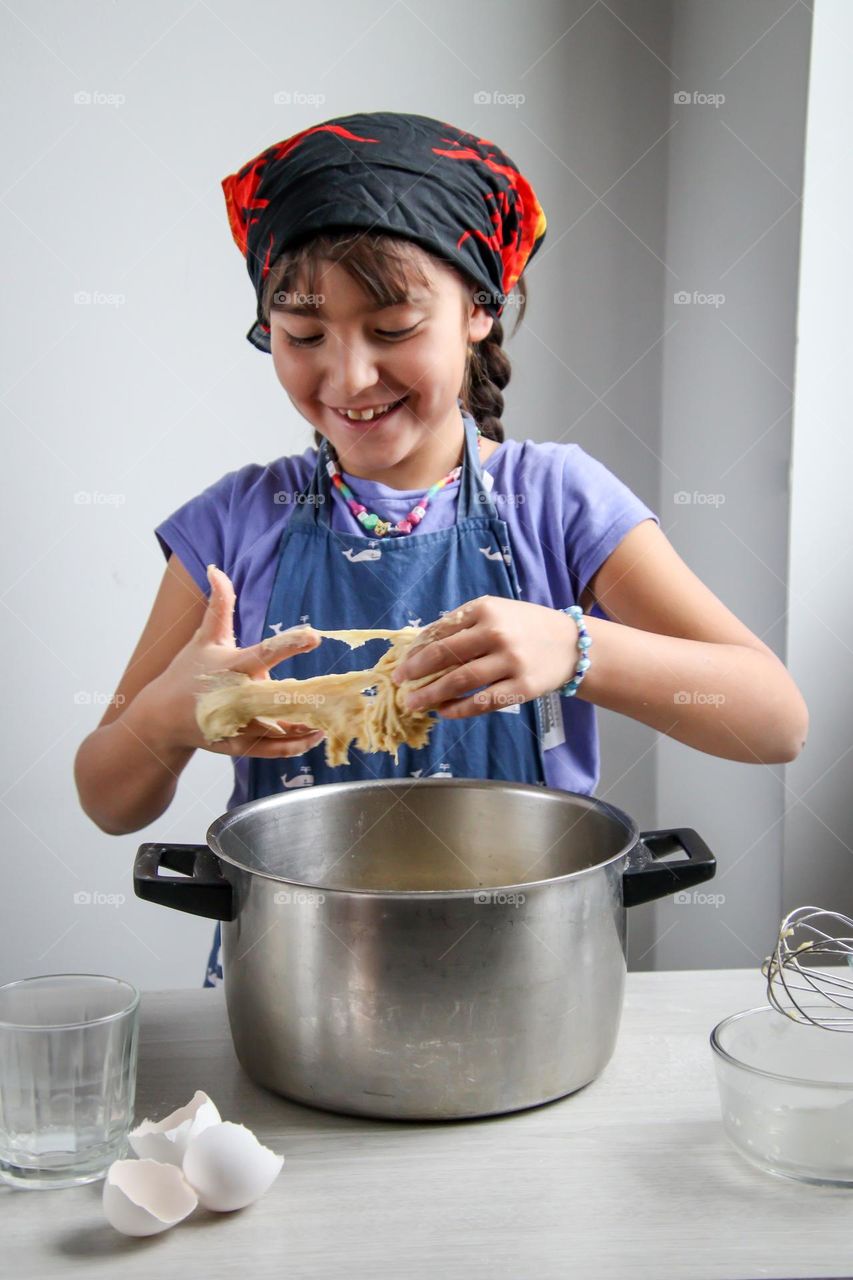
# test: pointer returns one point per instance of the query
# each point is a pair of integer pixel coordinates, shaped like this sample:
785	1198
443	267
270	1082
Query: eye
397	333
383	333
301	342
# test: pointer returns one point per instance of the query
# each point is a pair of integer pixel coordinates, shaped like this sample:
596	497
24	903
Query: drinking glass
68	1051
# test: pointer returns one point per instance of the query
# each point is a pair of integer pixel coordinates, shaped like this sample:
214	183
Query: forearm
727	700
127	774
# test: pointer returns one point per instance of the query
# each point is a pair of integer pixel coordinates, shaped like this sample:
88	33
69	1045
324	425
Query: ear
480	323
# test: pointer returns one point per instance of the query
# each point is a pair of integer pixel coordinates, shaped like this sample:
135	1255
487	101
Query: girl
383	248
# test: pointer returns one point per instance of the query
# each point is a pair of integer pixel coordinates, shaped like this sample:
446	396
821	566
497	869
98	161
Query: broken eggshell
228	1168
142	1197
167	1139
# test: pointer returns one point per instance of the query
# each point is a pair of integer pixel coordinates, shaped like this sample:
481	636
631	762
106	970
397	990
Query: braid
487	373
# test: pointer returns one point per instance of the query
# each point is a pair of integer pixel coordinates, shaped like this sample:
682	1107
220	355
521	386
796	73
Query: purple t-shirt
564	510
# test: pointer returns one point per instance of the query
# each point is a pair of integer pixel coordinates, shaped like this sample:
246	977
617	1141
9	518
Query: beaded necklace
373	523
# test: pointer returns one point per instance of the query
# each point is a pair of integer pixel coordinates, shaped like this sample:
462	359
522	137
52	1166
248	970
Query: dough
336	703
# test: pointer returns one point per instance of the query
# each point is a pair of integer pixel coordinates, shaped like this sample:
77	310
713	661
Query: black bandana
405	175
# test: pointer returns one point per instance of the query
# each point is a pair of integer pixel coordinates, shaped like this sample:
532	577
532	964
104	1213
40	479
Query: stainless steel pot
428	950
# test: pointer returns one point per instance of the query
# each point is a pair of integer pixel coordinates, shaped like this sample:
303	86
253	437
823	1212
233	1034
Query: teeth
366	415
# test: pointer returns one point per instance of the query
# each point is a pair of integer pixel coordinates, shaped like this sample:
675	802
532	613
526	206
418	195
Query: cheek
291	373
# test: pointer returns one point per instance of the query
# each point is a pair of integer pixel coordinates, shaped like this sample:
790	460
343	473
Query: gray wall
733	226
146	393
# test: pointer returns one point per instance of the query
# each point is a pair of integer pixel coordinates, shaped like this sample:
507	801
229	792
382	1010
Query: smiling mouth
374	418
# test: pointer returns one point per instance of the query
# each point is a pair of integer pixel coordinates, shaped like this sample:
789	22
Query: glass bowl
786	1093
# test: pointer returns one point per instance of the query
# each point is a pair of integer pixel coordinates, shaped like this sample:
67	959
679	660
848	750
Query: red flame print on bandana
518	225
241	188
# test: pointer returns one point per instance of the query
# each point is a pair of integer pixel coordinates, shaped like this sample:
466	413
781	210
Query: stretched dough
336	703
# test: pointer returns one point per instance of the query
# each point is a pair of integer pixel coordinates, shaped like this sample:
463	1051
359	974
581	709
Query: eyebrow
302	310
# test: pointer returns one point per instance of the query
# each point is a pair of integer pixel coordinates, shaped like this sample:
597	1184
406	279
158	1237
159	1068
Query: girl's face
346	354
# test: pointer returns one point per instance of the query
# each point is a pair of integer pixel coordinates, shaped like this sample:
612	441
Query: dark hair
384	266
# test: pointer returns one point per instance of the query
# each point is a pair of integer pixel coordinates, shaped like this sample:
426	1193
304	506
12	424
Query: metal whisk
802	937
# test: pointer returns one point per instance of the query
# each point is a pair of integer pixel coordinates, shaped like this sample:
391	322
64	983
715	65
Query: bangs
387	268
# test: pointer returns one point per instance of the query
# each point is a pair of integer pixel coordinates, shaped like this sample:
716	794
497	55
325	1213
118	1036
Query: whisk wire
802	938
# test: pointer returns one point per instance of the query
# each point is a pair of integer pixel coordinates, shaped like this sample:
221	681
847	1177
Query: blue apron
337	580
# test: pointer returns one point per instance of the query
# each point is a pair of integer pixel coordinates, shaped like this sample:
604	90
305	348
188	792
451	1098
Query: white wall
818	864
152	399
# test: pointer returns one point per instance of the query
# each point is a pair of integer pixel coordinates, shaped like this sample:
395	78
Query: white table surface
630	1177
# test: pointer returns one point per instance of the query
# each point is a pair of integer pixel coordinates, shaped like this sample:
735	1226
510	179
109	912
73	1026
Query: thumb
217	625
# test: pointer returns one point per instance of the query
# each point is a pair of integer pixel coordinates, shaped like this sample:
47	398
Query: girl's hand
518	650
170	700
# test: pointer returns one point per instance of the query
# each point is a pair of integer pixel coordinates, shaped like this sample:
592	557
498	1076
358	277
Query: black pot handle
202	890
646	877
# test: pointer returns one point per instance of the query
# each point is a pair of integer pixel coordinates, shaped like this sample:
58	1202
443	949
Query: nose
352	370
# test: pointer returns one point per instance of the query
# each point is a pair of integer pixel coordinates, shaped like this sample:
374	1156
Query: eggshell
142	1197
167	1139
228	1168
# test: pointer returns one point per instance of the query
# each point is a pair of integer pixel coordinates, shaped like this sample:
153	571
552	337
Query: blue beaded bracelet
570	688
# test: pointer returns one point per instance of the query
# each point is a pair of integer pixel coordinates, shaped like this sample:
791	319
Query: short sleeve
598	510
196	532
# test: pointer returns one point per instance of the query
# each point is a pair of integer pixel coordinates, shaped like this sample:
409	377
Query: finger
263	727
217	625
271	748
466	615
452	651
471	675
258	658
503	693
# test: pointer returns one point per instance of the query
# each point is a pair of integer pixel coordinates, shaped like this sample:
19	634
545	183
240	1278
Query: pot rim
232	818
